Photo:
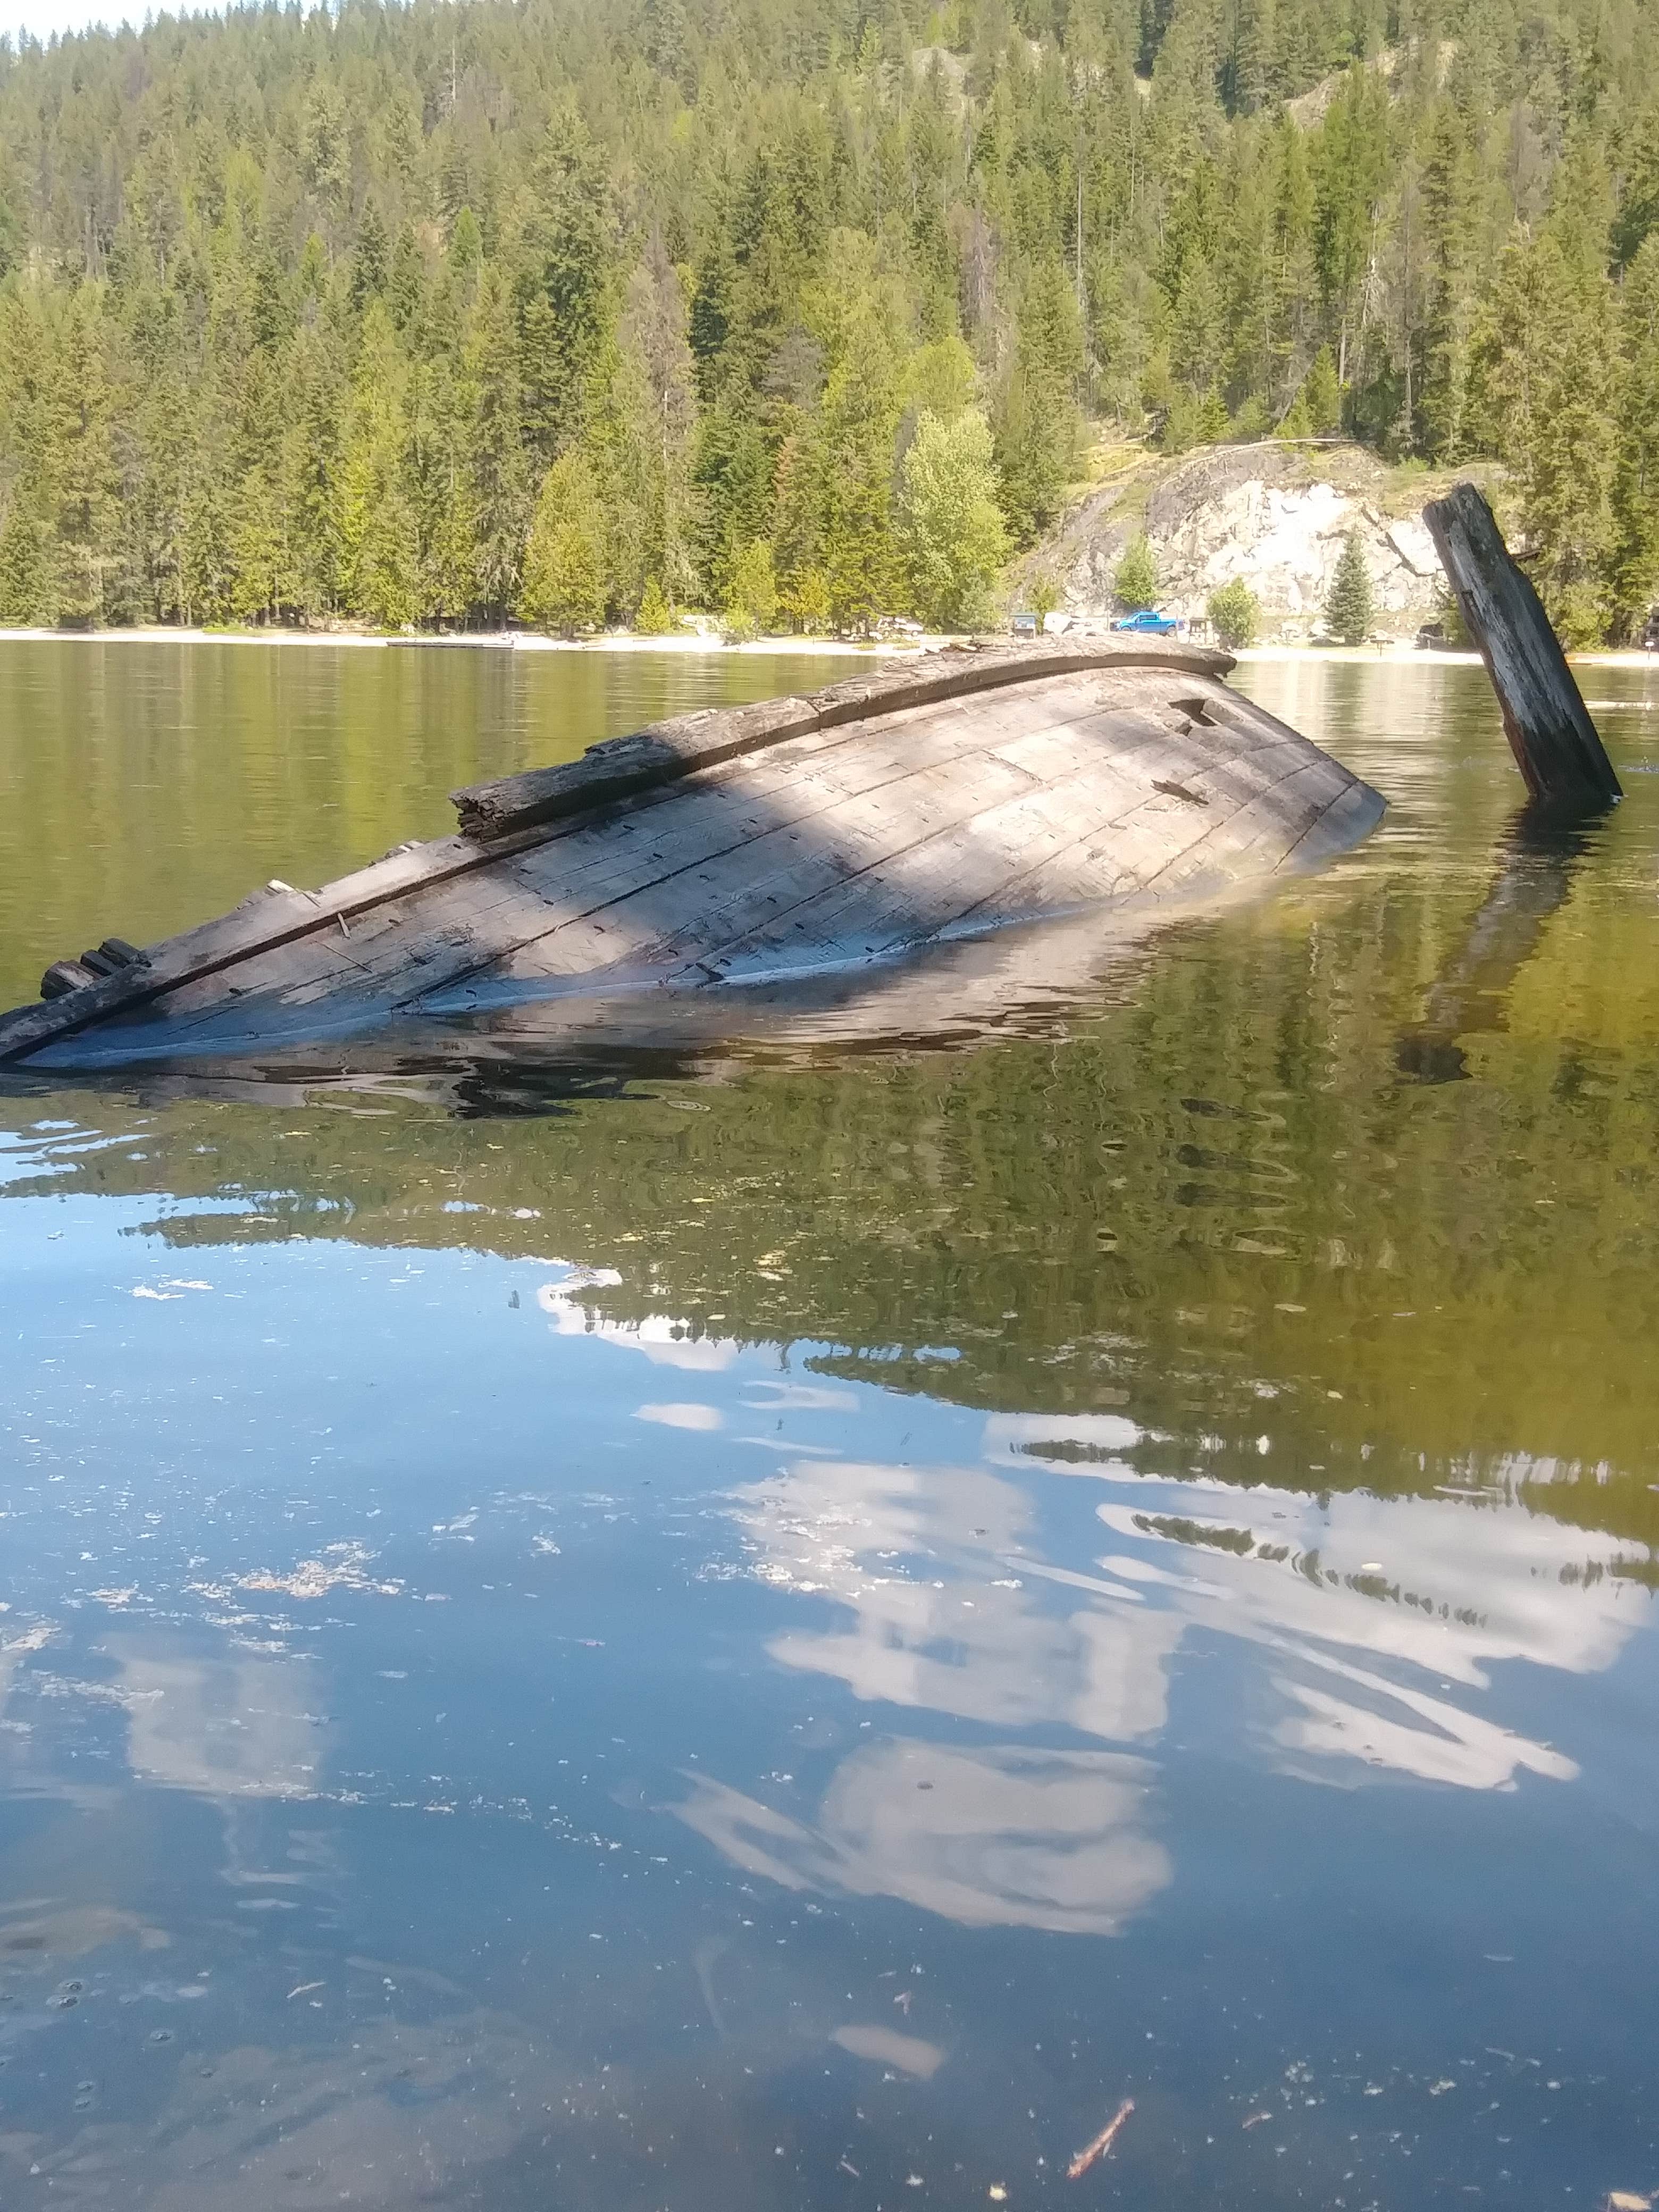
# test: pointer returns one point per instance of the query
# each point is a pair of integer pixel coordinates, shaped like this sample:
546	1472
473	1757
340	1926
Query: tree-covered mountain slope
799	309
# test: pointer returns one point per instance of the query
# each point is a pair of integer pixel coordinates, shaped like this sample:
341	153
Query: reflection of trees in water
1537	860
1220	1204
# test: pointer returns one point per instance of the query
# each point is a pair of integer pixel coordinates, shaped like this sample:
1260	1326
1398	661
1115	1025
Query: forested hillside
575	310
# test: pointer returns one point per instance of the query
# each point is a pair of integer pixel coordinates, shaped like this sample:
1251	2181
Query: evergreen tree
377	526
28	548
310	316
751	597
1634	579
1543	372
1449	221
1134	586
1348	606
859	416
564	255
951	527
497	489
82	462
655	617
565	586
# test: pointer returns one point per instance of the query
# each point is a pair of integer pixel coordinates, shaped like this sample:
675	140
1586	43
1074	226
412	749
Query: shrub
1042	596
1135	584
1234	613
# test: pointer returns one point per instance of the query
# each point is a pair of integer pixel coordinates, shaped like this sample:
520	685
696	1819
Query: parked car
1025	625
1149	624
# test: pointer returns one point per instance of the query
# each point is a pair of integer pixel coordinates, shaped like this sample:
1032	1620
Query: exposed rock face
1264	513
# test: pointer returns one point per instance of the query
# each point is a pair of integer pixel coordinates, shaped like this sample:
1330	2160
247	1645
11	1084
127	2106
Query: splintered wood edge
514	813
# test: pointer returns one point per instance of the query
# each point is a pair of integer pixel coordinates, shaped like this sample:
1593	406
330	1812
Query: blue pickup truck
1147	623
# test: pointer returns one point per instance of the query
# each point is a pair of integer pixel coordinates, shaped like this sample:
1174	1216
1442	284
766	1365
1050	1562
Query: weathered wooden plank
903	806
680	917
1556	745
671	749
934	883
746	852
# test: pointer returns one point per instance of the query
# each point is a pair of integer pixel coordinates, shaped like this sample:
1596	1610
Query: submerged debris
1102	2143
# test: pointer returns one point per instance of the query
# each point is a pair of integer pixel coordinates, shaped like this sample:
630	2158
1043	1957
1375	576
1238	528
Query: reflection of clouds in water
1455	1747
217	1727
220	1727
666	1342
950	1607
1092	1442
1426	1580
885	2047
998	1837
682	1415
983	1649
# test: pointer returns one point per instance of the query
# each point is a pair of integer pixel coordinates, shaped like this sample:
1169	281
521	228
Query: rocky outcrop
1275	515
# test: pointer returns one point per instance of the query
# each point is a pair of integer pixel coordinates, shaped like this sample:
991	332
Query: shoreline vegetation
805	312
1396	653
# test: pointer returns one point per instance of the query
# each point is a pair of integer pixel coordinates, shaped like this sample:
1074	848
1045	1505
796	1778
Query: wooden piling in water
1554	741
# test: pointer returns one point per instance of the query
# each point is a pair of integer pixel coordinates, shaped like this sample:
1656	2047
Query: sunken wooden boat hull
740	851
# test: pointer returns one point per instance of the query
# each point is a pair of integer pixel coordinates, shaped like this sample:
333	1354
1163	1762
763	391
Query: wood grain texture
913	806
1555	744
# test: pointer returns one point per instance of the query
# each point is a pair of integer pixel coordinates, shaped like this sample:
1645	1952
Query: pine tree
751	597
1322	394
1449	220
655	617
28	548
369	265
1543	361
653	338
951	527
377	524
1348	604
1634	580
1134	586
1212	426
1032	439
565	586
564	255
859	416
497	496
82	462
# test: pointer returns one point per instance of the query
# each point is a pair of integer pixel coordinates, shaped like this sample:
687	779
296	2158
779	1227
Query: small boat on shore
748	849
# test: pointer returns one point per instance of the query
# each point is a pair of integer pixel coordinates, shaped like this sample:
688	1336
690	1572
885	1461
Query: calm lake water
790	1628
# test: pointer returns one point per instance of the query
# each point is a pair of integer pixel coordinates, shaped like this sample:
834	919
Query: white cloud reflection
1001	1836
1376	1625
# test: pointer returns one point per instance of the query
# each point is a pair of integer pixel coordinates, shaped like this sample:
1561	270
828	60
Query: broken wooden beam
1554	741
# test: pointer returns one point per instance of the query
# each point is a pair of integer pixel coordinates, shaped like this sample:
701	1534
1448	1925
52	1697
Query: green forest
802	312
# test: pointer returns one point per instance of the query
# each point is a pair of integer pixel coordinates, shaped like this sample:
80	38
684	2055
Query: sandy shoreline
472	640
832	647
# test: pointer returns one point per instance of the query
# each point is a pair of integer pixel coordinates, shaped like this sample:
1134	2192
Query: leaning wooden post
1551	733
